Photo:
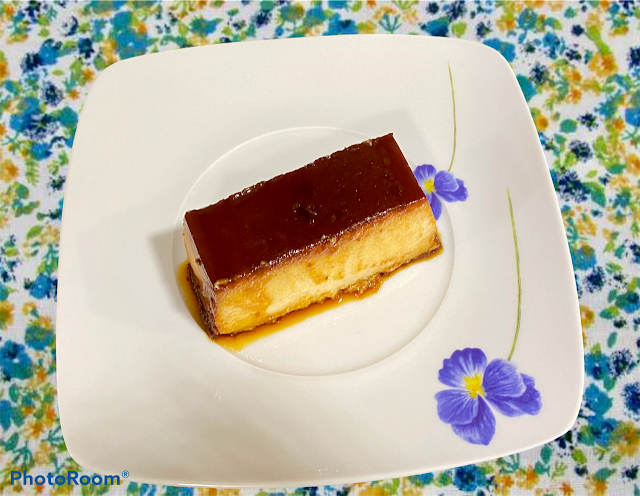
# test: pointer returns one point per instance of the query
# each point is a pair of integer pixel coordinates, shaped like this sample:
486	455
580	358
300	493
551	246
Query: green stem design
455	124
515	242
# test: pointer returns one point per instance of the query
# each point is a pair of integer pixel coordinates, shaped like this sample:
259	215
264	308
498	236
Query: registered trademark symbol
125	473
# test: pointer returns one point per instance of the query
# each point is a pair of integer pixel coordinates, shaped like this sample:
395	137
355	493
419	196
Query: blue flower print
14	361
478	385
439	185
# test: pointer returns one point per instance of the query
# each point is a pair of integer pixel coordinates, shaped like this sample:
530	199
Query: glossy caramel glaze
273	219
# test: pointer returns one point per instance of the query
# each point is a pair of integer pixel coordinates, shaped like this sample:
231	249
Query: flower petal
444	182
455	406
502	379
458	194
529	402
436	206
463	363
424	172
481	429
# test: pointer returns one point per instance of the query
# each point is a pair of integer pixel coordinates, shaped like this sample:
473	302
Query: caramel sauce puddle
237	342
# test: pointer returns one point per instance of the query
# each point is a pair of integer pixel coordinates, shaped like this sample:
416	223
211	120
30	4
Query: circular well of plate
348	336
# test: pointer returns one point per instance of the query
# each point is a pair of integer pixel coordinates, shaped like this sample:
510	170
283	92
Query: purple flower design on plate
440	185
478	385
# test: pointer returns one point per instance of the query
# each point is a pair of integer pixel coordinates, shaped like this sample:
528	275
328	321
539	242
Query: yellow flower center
474	385
429	186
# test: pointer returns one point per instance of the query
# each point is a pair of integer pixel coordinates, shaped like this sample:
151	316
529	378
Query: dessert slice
332	226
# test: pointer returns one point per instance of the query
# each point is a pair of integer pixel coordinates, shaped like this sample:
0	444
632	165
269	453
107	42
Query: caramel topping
277	218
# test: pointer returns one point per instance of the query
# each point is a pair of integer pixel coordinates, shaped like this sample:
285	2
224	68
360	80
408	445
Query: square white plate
348	395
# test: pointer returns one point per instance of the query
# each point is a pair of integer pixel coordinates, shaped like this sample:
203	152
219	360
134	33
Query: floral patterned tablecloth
578	64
